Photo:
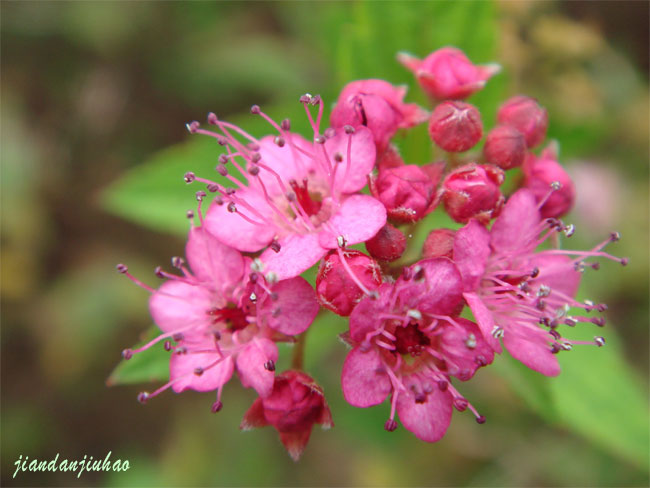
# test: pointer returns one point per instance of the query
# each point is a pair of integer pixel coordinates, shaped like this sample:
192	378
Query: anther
216	406
599	321
255	109
348	129
199	195
443	385
271	277
230	191
595	266
569	230
305	98
601	307
390	425
198	371
291	196
285	124
497	332
192	127
556	185
223	159
178	337
570	322
414	314
217	335
275	245
534	273
480	419
232	208
470	342
189	177
253	297
461	404
274	296
624	261
338	157
269	365
167	345
257	265
253	277
315	100
567	346
177	262
253	146
189	214
418	273
181	350
143	396
213	188
319	139
122	268
329	132
279	141
555	348
556	335
407	273
222	170
480	361
127	354
254	169
420	397
159	272
222	141
217	199
276	312
256	157
614	236
544	291
341	241
600	341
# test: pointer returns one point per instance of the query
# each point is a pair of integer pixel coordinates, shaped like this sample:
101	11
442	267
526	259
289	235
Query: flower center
310	202
410	340
232	316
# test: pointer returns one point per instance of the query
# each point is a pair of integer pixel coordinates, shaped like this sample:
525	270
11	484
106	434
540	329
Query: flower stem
299	352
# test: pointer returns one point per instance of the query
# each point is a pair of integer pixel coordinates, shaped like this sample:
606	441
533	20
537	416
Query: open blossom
448	74
293	407
299	199
222	318
519	294
379	106
407	342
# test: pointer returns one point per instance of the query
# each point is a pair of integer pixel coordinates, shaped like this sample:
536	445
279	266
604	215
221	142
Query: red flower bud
293	407
505	147
336	289
439	244
472	191
388	245
547	179
456	126
527	116
407	192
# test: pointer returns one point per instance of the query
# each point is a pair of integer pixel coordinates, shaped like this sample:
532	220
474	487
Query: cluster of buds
284	203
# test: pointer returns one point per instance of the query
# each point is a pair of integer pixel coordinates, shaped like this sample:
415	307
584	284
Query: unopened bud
456	126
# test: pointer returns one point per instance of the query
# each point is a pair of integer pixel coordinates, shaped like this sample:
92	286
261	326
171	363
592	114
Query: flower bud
336	289
377	105
439	244
472	191
293	407
542	172
527	116
456	126
388	245
505	147
448	74
407	192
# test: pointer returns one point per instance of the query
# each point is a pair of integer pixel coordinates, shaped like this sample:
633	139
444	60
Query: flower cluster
417	325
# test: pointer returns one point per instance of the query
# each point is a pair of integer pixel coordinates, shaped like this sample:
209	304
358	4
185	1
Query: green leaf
601	397
146	366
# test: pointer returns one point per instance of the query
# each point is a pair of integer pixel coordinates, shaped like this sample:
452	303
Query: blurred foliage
92	89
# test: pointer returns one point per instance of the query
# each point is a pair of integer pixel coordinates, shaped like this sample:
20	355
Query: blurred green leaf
146	366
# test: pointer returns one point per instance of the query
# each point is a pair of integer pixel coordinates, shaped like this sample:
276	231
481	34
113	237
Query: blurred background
92	95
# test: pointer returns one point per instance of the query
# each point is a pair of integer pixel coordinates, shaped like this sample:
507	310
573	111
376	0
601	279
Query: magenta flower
408	342
299	199
222	318
448	74
542	172
293	407
379	106
520	294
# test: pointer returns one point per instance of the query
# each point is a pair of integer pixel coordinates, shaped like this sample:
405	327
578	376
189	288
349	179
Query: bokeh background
92	92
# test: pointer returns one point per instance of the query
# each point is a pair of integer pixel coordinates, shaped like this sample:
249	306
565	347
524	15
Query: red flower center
410	340
310	202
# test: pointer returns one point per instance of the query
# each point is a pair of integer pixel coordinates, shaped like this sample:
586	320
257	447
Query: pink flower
222	319
520	294
448	74
527	116
550	183
293	407
377	105
299	199
408	342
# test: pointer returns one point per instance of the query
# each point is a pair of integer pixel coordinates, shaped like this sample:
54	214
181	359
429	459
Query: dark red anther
167	345
159	272
443	385
390	425
480	419
269	365
122	268
461	404
212	118
418	274
285	124
213	188
534	273
198	371
348	129
189	177
232	208
177	262
599	321
420	397
255	109
275	245
177	337
143	396
127	354
189	214
216	406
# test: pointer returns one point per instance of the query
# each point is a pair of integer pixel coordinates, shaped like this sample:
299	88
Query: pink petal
471	251
363	382
409	61
234	230
352	177
441	290
517	228
363	318
429	420
213	261
295	442
532	348
254	417
556	272
358	219
297	305
298	252
465	360
250	365
213	377
284	162
176	306
484	319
